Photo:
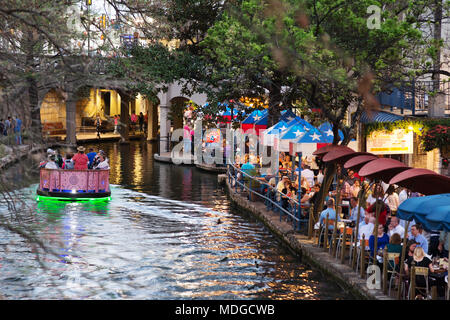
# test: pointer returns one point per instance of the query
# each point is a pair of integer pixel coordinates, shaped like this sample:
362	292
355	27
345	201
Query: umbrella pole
375	234
338	201
355	242
299	213
402	260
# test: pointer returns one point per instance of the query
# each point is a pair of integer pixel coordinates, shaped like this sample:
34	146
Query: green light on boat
44	198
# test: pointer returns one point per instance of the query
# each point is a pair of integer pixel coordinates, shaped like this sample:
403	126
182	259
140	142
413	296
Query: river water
168	233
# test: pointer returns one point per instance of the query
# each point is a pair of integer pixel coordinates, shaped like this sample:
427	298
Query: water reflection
158	238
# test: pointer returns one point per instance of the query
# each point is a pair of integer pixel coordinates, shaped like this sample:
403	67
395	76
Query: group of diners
78	161
425	247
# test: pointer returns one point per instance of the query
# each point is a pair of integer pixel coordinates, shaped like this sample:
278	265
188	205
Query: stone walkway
344	275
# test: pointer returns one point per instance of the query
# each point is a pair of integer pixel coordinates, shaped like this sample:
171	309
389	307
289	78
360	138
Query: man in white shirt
308	174
104	165
395	227
367	230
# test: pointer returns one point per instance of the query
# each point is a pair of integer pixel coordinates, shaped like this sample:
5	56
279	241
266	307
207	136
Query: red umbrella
342	155
423	181
324	150
357	162
382	169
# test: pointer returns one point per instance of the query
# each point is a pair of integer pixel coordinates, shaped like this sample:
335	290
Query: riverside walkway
343	274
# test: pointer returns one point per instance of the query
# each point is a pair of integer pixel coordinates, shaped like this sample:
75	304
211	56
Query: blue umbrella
432	211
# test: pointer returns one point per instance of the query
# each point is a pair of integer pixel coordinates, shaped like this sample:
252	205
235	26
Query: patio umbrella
309	142
432	211
287	115
382	169
249	122
341	156
423	181
420	208
324	150
357	162
290	135
268	134
261	124
327	128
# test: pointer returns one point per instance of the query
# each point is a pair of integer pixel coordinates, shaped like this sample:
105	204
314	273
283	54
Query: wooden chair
323	232
418	271
393	260
348	240
361	250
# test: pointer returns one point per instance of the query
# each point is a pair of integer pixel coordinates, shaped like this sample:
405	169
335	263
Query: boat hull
73	196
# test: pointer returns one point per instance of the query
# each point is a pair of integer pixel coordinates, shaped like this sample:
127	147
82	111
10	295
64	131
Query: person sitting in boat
44	162
103	164
68	162
51	164
80	159
96	159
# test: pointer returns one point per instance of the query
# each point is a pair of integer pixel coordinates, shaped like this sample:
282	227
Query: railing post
362	248
310	223
385	274
402	260
343	246
412	281
325	239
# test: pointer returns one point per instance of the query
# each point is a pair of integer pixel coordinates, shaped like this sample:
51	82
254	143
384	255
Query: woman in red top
80	159
383	213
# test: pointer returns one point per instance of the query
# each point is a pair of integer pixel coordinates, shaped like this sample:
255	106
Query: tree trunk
33	98
437	34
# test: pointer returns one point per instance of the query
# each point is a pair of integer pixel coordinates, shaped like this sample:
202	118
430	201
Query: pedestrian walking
18	130
98	123
141	122
116	124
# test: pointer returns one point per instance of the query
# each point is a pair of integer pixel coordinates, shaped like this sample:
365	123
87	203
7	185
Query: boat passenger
91	155
51	164
68	162
80	159
44	162
103	162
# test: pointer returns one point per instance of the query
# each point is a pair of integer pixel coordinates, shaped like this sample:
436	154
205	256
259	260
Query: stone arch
177	107
53	112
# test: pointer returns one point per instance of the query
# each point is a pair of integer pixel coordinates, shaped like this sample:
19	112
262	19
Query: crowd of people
78	161
424	246
12	127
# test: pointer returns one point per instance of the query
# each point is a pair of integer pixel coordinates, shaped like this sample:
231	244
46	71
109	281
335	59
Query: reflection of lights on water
138	177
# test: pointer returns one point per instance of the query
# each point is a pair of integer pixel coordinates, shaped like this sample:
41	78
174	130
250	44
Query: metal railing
272	197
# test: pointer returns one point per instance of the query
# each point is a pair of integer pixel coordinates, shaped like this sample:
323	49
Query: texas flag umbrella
297	120
249	122
307	143
287	115
328	130
268	134
292	134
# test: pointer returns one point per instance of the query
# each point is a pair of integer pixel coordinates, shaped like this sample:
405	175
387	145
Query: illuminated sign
396	142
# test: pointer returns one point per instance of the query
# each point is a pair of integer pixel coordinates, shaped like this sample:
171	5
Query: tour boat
73	185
